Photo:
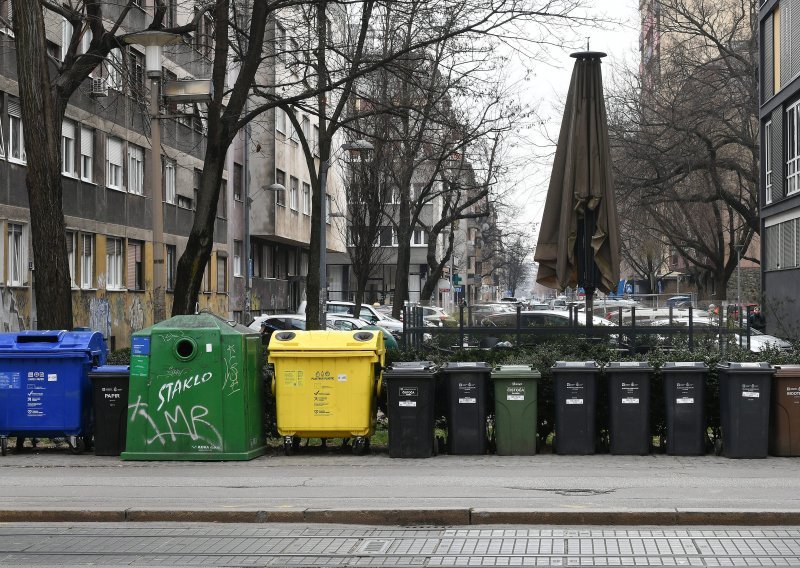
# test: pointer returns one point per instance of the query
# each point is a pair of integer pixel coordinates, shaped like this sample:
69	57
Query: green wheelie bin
515	412
196	391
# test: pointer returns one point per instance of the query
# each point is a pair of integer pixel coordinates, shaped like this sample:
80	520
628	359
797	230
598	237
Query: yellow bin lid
305	341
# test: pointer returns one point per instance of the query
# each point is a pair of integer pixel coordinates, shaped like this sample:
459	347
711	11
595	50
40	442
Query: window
185	202
68	148
222	274
306	125
136	67
7	13
87	261
419	238
87	153
71	245
237	258
238	178
280	196
16	140
293	136
385	237
114	263
204	37
171	259
315	145
135	169
222	204
793	149
169	181
768	162
306	199
114	163
782	245
114	70
280	120
293	193
17	255
135	265
207	278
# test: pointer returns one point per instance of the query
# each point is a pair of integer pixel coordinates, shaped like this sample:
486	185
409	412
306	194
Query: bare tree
686	139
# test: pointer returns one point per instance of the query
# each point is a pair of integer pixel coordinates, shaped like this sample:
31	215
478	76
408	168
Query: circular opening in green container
185	349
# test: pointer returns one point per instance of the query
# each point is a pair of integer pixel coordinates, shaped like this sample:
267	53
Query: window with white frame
114	70
768	162
2	142
782	247
172	255
68	148
17	255
793	149
293	136
87	260
115	264
169	181
7	14
293	193
135	169
306	125
306	199
135	265
280	196
114	163
280	42
16	141
87	153
71	246
280	120
237	258
419	238
328	206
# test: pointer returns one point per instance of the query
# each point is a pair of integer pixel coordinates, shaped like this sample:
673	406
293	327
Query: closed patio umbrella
578	241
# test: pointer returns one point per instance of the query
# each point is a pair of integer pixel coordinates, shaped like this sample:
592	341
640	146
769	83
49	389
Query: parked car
278	322
680	301
758	341
350	323
537	318
366	313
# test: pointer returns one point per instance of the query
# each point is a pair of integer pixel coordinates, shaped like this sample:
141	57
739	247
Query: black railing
474	328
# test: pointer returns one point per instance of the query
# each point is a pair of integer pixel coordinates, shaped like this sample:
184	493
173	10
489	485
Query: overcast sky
548	89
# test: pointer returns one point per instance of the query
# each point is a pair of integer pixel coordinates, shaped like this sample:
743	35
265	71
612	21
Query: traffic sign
456	279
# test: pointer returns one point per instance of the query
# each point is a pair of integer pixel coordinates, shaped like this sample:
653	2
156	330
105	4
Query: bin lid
417	368
515	372
110	371
684	366
203	320
628	366
576	365
790	371
466	367
744	368
55	342
322	340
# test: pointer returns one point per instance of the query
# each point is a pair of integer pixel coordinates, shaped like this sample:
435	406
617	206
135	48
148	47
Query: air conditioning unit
99	88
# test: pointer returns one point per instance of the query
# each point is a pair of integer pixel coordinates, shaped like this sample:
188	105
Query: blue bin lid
54	342
108	370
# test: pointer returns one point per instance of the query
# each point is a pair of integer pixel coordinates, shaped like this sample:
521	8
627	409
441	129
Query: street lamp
356	148
153	41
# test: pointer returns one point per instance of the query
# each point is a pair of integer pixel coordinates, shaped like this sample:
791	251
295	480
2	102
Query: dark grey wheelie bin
629	407
575	385
685	396
744	403
410	389
466	384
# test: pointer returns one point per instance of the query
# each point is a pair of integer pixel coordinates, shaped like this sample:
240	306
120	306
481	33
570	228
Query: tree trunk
40	106
193	261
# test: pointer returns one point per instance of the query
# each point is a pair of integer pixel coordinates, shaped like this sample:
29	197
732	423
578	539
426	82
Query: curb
414	517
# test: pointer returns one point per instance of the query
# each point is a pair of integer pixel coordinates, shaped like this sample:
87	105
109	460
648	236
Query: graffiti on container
100	316
170	390
169	337
231	384
177	424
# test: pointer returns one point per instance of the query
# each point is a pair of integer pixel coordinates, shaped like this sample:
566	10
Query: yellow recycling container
326	384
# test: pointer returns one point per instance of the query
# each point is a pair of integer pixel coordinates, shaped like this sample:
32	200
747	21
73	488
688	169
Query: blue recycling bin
45	389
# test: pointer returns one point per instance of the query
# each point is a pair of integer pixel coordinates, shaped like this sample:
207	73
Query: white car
367	313
758	341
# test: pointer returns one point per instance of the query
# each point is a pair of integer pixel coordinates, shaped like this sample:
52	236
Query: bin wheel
3	445
359	446
77	444
718	447
288	446
21	443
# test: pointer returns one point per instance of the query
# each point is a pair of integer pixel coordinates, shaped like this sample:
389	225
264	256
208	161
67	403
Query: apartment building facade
779	25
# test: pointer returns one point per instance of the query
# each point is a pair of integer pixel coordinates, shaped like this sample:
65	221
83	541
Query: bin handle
272	384
379	385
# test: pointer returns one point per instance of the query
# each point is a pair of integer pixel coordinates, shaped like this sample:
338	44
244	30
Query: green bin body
515	411
196	391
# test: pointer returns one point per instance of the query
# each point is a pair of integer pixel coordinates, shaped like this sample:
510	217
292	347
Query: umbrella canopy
579	234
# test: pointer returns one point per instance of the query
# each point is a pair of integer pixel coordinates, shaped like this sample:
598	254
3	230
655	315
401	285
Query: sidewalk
375	489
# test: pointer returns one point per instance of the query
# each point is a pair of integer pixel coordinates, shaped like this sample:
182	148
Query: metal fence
469	329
